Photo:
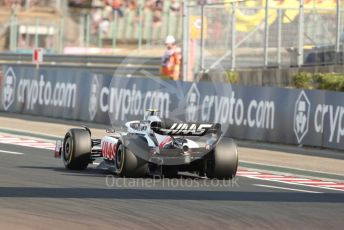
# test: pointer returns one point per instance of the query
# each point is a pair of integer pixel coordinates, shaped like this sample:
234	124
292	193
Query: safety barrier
289	116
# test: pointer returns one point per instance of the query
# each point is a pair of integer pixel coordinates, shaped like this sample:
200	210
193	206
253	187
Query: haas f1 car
153	147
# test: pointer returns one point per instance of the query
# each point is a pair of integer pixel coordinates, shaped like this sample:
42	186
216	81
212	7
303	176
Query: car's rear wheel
223	161
129	165
77	149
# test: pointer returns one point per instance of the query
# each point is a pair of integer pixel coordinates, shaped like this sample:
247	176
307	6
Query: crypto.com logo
192	104
93	103
8	92
301	116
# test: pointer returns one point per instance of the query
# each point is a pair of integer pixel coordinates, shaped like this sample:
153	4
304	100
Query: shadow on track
149	194
94	172
88	172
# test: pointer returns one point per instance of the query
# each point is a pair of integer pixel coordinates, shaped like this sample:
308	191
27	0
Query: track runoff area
35	186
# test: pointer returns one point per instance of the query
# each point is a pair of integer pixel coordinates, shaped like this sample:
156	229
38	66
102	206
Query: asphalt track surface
36	192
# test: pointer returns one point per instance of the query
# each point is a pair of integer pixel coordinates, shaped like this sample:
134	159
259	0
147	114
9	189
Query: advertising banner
290	116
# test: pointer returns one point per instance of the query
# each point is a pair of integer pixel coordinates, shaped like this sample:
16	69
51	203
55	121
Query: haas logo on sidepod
8	91
108	150
192	104
94	91
301	116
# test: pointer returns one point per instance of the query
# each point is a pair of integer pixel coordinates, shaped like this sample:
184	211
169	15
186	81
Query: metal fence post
36	33
169	22
114	31
266	34
16	33
233	53
27	5
185	41
338	32
27	39
11	32
279	38
83	19
202	37
100	38
61	42
88	28
301	34
58	5
140	26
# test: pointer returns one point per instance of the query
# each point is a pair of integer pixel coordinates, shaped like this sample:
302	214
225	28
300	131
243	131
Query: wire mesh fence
267	33
230	34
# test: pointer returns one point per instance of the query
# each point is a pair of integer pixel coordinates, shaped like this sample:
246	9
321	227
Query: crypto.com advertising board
313	118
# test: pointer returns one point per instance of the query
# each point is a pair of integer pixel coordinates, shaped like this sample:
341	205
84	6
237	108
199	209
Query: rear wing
185	129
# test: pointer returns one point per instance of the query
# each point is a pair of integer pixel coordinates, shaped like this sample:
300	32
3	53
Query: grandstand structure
91	26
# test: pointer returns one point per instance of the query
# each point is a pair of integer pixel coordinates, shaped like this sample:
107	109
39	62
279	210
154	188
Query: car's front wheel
77	149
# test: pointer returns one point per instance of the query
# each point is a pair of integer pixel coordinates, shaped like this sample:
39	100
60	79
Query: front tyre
77	149
223	161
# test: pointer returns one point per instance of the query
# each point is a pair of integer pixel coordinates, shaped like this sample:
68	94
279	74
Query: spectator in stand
104	25
107	12
149	4
22	44
14	4
202	2
175	6
132	5
103	11
157	12
11	2
116	6
171	61
96	17
159	4
97	3
24	4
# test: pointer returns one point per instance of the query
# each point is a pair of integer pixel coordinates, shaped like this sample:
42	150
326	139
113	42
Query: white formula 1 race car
151	147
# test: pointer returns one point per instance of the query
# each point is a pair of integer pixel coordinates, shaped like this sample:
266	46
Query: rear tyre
128	165
223	161
77	149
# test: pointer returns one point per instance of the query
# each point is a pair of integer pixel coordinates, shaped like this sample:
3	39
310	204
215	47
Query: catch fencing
234	35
